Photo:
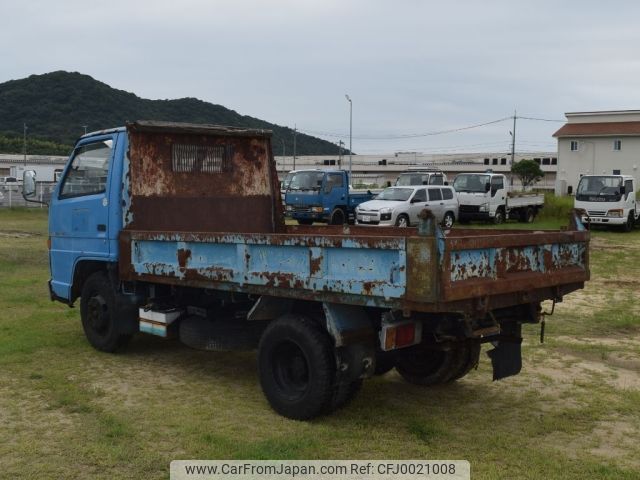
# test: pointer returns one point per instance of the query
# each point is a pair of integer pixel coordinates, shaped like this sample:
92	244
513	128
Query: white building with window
597	143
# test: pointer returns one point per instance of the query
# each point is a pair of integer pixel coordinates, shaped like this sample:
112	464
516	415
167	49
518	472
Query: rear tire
98	311
423	366
470	359
297	367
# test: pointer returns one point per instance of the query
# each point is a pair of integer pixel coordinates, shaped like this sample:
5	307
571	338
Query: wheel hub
98	313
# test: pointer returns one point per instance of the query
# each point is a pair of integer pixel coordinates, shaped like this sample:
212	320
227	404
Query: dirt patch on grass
598	243
17	234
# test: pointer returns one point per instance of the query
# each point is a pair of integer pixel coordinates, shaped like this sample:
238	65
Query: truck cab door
335	190
498	192
79	211
630	195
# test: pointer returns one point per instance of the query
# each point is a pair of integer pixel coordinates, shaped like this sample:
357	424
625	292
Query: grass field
68	411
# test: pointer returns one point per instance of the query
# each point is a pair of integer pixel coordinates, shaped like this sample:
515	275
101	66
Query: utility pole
340	144
284	156
350	132
24	145
85	128
513	140
295	132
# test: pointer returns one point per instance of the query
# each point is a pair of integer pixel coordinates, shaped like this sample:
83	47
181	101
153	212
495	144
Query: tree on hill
56	107
528	171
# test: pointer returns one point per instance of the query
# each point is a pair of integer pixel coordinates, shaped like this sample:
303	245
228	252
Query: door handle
102	227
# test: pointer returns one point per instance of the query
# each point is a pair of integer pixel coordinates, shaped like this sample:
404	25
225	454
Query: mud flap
506	357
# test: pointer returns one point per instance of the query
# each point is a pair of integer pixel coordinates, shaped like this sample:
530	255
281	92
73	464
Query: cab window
497	183
436	180
333	180
87	174
628	188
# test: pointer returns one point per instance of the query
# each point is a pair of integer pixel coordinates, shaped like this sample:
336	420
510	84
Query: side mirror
29	184
487	187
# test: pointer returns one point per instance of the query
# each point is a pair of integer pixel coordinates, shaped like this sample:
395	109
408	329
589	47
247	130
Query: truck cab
481	196
608	200
322	196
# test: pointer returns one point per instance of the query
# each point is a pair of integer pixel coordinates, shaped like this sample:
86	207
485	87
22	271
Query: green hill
55	106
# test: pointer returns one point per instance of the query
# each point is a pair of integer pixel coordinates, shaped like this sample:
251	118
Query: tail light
400	335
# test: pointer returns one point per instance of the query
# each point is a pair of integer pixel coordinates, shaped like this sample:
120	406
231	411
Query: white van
400	206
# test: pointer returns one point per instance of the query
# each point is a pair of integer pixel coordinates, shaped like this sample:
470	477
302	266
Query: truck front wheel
98	311
337	217
630	222
297	367
499	218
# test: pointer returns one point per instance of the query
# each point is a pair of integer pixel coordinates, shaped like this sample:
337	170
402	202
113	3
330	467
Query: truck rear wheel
470	357
98	311
427	366
297	367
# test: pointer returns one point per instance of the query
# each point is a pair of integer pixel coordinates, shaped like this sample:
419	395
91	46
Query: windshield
287	180
599	188
418	178
306	181
397	194
471	183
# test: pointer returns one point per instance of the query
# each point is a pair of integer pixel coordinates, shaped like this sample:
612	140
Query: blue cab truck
322	196
177	230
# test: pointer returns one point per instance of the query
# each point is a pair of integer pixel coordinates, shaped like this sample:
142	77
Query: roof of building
598	129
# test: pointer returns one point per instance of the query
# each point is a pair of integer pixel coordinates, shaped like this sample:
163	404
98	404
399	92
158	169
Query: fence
11	196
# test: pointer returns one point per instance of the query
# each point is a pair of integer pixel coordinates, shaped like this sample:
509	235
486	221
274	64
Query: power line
541	119
409	135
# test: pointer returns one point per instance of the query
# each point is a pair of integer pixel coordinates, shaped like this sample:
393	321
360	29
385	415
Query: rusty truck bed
392	268
202	208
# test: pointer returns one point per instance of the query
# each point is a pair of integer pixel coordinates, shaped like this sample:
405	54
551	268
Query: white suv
400	206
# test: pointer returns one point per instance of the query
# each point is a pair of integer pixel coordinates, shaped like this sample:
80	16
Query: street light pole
24	144
350	132
295	133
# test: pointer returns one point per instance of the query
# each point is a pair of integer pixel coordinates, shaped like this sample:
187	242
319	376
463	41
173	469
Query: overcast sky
410	67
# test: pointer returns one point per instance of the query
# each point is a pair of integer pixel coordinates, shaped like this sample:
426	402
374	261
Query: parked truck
486	196
177	230
421	176
322	196
608	200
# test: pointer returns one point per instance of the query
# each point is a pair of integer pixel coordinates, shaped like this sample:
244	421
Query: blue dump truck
322	196
177	230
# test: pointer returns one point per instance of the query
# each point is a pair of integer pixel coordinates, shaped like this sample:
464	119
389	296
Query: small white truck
485	196
608	200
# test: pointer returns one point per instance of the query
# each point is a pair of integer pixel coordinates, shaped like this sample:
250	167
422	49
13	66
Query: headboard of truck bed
200	178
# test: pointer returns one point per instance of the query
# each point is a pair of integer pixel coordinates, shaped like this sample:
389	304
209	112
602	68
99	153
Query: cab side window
87	174
333	180
497	183
628	188
435	194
